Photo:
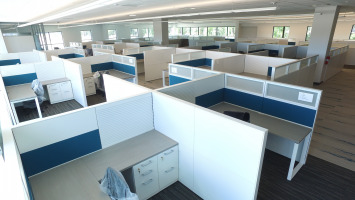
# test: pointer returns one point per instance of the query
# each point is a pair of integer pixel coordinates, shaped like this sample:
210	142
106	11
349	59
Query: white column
161	31
237	28
324	22
3	48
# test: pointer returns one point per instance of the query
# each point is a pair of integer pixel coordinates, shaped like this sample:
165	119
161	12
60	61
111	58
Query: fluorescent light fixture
132	15
192	8
84	8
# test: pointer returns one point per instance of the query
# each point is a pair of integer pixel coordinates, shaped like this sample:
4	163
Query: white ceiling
118	10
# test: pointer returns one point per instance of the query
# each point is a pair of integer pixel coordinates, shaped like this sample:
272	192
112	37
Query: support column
161	31
3	48
237	27
324	23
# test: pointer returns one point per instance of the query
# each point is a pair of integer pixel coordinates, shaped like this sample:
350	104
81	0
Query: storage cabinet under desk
59	90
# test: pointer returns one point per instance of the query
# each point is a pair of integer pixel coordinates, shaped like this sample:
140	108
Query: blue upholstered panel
10	62
289	112
256	50
67	56
291	43
138	56
269	71
243	99
210	47
101	66
273	53
19	79
194	63
49	156
176	80
78	55
210	99
231	40
208	62
124	68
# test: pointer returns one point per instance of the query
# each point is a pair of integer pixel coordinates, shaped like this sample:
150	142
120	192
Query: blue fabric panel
10	62
269	71
101	66
210	47
78	55
194	63
289	112
231	40
256	50
138	56
49	156
243	99
67	56
291	43
274	53
208	62
210	99
147	45
124	68
176	80
19	79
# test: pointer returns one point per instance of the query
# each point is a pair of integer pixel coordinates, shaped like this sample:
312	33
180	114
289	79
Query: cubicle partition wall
155	61
289	52
22	58
225	44
301	52
102	49
336	62
66	53
180	73
297	73
288	111
76	45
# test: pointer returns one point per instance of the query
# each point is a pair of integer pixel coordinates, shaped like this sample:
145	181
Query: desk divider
155	61
18	74
66	53
50	70
22	58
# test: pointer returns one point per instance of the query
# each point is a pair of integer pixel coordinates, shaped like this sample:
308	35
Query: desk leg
14	112
38	108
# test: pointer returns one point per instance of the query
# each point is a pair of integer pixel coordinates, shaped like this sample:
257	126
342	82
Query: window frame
283	32
49	40
90	35
305	39
352	33
109	35
134	37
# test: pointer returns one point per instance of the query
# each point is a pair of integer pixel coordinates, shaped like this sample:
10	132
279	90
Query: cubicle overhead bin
287	111
66	53
22	58
62	81
144	126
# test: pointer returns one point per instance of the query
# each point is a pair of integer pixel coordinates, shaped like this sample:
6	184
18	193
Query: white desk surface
255	75
58	80
20	92
275	126
113	72
79	179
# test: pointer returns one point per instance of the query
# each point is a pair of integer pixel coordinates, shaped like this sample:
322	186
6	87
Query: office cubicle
66	53
22	58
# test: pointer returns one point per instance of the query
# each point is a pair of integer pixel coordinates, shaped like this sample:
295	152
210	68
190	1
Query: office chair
245	116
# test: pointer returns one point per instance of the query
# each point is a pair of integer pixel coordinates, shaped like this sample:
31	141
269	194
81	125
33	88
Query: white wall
17	44
248	31
3	48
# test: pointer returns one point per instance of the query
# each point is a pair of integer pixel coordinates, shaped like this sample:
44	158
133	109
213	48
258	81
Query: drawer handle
146	173
167	153
148	181
169	170
146	164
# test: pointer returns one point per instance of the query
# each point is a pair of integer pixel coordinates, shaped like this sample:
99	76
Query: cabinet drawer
146	178
66	95
53	88
55	97
65	86
168	170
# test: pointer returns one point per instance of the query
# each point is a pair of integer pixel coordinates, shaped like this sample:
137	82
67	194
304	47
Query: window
145	32
186	31
151	32
175	31
194	31
203	31
53	39
134	32
222	31
111	34
211	31
352	34
231	32
281	32
86	36
308	33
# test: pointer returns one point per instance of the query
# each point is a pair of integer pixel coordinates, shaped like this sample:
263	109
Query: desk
21	93
79	178
276	126
58	80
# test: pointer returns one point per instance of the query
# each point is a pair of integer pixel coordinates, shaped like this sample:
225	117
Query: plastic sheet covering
115	186
39	91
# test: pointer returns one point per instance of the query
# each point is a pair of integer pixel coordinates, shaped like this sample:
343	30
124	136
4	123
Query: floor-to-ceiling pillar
161	31
324	22
237	27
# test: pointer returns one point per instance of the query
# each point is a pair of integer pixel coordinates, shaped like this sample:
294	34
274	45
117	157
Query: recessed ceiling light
192	8
132	15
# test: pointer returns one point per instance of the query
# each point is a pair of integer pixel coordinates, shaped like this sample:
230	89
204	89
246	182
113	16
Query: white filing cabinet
156	173
61	91
89	84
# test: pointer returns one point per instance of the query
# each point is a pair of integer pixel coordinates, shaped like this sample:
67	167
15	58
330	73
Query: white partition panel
118	120
50	70
42	56
116	88
74	73
13	70
175	119
3	93
234	64
155	61
29	57
246	84
290	52
256	64
279	61
260	53
175	58
227	165
9	56
51	130
197	55
184	50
